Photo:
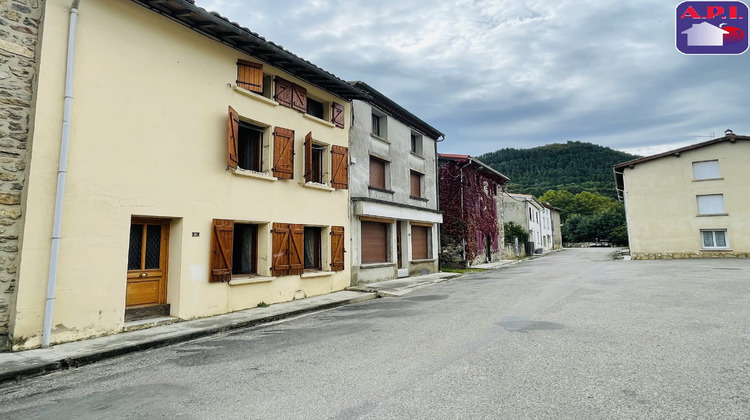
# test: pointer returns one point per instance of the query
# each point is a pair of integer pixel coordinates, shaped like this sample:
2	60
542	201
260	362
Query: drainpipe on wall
61	173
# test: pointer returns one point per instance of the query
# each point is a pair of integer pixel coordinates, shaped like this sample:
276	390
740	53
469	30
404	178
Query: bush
513	230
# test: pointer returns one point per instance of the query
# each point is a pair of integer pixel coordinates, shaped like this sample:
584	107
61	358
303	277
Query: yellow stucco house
203	170
691	202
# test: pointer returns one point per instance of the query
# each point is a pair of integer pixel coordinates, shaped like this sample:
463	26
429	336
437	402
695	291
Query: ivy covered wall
470	214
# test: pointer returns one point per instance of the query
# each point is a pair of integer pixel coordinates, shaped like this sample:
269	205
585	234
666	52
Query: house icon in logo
705	34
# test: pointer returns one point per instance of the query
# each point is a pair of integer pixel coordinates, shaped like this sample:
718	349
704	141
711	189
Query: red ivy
479	215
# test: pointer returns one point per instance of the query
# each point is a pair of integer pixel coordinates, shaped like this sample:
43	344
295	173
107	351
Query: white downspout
61	172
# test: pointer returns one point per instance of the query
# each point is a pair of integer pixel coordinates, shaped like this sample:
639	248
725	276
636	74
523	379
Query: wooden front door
147	262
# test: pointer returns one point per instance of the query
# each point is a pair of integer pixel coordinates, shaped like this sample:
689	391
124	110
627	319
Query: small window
312	248
715	239
378	173
245	249
317	163
710	204
250	147
315	108
706	170
378	125
416	184
416	144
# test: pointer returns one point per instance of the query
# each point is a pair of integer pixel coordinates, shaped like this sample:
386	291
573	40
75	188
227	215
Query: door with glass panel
147	262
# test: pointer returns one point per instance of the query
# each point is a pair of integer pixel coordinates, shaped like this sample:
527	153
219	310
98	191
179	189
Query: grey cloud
503	73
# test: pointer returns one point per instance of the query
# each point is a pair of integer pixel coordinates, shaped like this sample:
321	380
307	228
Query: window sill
376	265
419	198
708	179
380	190
417	155
313	274
377	137
318	186
712	214
426	260
716	249
252	174
318	120
236	281
255	96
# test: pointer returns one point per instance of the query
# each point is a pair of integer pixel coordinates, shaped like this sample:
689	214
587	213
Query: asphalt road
573	335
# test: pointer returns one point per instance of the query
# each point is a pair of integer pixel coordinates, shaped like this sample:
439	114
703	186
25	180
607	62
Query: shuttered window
420	236
337	248
222	236
377	172
288	249
233	128
710	204
706	170
250	76
339	167
416	184
283	92
283	153
374	242
291	95
337	114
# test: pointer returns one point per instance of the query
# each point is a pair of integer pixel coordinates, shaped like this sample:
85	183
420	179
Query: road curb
63	363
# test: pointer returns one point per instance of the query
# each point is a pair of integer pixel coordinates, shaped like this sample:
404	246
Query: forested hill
574	166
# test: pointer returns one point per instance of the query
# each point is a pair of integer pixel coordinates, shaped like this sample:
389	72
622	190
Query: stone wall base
684	255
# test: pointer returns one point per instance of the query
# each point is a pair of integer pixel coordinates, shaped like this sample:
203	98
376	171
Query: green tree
513	230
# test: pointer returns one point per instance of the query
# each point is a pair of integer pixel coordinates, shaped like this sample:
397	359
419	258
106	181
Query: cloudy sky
519	73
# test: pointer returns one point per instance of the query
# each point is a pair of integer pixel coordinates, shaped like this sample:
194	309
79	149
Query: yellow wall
660	199
149	138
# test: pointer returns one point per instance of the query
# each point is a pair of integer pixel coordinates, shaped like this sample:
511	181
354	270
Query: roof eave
220	29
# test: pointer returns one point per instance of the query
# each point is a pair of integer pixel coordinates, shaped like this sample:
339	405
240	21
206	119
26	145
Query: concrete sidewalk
22	364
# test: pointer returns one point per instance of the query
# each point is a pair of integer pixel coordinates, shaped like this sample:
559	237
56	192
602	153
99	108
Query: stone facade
683	255
19	23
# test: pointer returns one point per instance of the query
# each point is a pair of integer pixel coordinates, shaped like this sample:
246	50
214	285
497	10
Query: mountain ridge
573	166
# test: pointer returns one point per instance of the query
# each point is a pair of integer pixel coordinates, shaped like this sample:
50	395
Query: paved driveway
568	336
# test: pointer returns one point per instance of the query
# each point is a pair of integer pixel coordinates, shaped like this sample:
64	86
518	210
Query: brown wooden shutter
250	76
280	245
339	167
337	114
299	98
222	236
284	92
374	242
337	248
283	153
416	184
419	237
233	129
308	157
296	249
377	173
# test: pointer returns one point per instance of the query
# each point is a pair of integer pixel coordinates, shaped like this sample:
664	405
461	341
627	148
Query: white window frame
714	241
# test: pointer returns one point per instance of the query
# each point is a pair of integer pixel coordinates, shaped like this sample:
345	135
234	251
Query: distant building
690	202
526	211
556	225
472	226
